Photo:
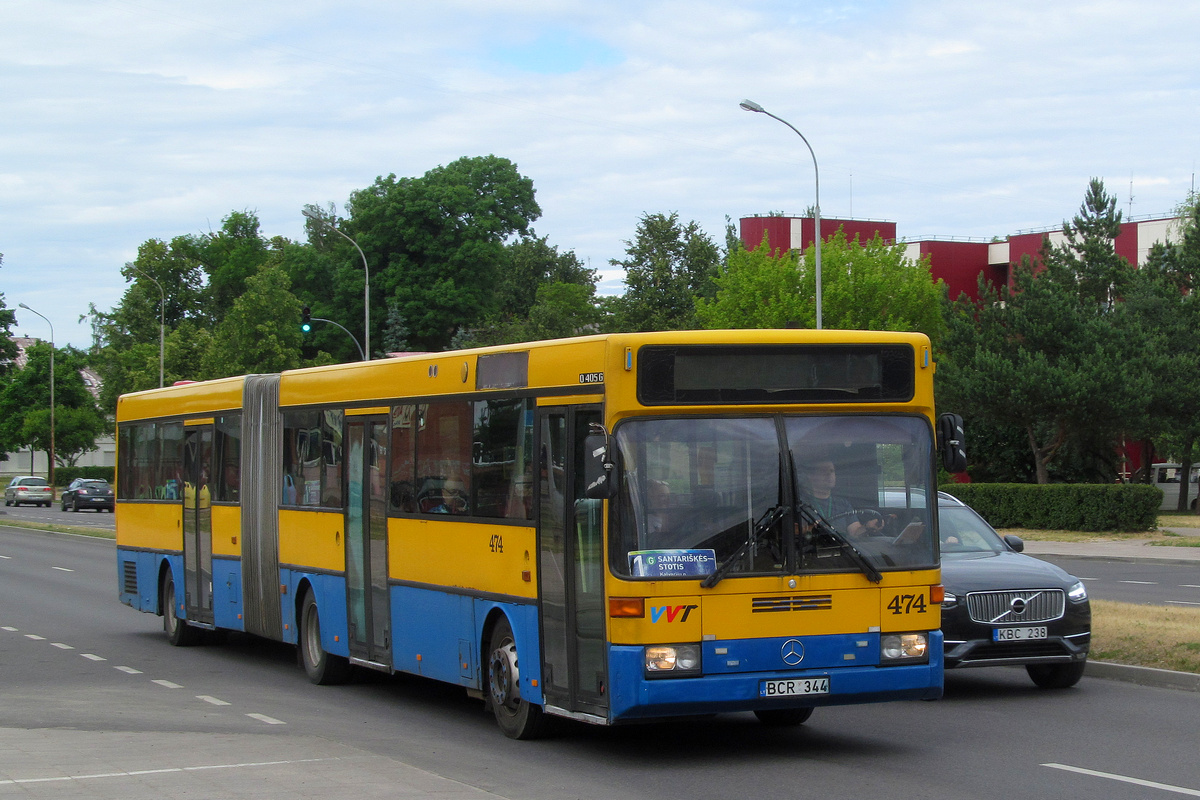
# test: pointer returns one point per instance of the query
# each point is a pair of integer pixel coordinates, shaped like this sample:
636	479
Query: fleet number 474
908	604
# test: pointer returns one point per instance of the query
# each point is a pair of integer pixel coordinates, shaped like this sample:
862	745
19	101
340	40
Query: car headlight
665	660
896	647
1078	592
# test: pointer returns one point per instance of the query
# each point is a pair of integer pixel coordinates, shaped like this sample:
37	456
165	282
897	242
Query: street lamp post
366	276
162	306
51	324
750	105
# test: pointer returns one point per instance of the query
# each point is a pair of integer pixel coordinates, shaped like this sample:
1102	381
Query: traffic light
306	319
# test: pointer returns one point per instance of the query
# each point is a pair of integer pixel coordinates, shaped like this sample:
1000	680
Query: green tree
1043	360
1101	275
125	349
668	265
27	395
1163	300
231	257
8	348
261	332
75	431
756	289
434	246
865	286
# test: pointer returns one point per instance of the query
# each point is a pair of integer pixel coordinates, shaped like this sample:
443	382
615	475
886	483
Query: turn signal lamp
627	606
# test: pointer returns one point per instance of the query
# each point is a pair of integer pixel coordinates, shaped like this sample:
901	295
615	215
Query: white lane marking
1181	603
266	719
1166	787
167	684
1181	586
1141	583
61	646
6	558
35	637
9	628
129	670
167	771
210	699
93	657
63	569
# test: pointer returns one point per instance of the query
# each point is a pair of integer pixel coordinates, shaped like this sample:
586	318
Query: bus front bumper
633	696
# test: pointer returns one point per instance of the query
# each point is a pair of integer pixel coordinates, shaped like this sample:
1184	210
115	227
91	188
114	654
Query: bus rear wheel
179	633
783	717
518	718
322	668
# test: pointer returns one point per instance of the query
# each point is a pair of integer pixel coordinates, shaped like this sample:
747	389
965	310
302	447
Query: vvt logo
670	612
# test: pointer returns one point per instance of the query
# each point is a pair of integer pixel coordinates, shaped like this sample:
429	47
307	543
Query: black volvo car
1003	607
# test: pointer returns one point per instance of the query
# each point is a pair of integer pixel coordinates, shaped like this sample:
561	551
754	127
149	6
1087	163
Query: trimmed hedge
64	475
1063	506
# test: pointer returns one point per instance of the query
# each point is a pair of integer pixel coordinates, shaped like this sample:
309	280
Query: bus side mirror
599	473
950	443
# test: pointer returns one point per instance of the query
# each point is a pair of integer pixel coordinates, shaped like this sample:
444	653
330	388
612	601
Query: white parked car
28	489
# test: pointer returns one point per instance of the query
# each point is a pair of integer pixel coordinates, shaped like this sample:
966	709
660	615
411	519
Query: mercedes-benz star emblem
792	652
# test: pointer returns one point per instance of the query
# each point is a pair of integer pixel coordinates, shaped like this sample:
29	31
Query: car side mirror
1015	542
599	472
950	443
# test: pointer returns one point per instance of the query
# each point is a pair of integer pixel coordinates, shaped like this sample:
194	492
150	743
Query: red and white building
957	262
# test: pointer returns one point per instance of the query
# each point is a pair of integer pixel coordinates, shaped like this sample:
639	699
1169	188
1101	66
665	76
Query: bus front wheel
783	717
323	669
518	718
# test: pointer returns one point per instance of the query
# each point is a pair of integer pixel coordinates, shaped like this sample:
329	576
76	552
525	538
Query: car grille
1024	606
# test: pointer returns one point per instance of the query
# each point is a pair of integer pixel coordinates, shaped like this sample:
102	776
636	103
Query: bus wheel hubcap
503	676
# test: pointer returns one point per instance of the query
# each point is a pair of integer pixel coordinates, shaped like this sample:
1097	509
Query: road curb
1144	676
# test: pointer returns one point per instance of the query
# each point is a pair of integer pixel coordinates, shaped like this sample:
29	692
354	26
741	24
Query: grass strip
1165	637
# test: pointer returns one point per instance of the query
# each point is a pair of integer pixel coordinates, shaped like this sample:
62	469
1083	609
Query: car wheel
783	717
323	669
74	506
1056	676
517	717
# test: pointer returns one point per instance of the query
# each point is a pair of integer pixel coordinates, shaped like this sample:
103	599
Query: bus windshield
759	495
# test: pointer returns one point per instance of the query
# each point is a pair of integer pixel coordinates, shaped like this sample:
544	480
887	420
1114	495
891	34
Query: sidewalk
1119	551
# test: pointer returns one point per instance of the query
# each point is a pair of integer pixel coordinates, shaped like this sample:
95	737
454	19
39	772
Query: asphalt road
96	703
55	515
1161	583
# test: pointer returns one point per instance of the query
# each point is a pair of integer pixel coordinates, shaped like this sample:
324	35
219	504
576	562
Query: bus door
197	522
366	541
571	566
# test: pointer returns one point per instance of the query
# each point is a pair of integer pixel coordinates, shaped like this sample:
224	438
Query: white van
1168	478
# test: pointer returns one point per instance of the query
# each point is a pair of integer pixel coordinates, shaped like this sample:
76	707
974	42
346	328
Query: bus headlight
678	660
897	647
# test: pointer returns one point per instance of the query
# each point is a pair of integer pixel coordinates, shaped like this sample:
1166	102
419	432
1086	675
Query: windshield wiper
764	524
823	529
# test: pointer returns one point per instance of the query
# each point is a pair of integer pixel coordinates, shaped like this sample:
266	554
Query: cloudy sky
127	120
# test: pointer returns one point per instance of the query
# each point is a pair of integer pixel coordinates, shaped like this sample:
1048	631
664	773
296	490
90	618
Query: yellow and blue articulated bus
609	528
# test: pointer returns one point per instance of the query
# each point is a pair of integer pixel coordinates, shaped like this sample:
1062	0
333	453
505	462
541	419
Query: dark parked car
88	493
1003	607
28	489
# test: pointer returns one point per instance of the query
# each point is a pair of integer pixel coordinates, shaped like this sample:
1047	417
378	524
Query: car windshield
961	530
769	495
